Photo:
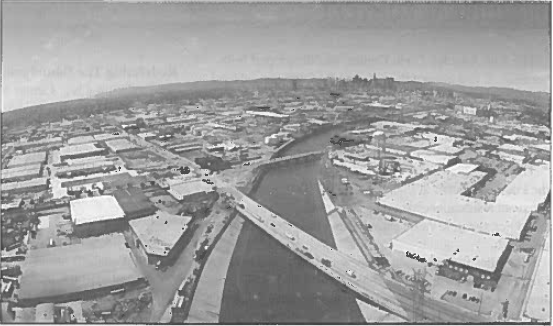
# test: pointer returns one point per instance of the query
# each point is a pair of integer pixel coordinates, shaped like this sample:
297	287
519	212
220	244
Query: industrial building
78	272
134	203
95	216
433	157
104	137
439	197
121	145
80	140
22	173
33	185
42	142
190	190
80	151
161	236
147	135
28	159
73	170
431	242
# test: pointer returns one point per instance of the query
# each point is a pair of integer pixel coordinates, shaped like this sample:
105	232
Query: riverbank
346	244
208	296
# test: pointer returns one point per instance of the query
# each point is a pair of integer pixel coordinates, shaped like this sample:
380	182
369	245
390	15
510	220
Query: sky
68	50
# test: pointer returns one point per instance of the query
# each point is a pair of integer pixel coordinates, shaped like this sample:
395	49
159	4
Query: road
369	284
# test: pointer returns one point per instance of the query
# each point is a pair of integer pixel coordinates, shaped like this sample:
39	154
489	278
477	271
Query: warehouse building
436	158
80	140
80	151
439	197
53	141
104	137
82	271
479	255
95	216
161	237
73	170
28	159
191	190
134	203
22	173
33	185
121	145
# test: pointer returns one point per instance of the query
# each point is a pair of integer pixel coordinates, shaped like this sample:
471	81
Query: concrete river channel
265	282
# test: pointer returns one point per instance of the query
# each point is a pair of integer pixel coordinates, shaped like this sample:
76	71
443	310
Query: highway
369	284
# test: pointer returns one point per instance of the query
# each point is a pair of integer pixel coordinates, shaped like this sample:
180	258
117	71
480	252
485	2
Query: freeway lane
368	283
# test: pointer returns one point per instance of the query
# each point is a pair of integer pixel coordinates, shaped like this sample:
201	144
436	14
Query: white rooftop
27	159
160	232
438	197
95	209
80	140
544	147
433	240
21	171
511	147
462	168
446	148
190	187
529	188
79	149
432	156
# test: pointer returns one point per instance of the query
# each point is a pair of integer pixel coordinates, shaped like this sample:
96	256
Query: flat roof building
439	197
446	149
463	168
80	140
433	157
21	173
160	236
134	203
77	272
33	185
432	240
121	145
27	159
85	168
104	137
190	189
80	151
94	216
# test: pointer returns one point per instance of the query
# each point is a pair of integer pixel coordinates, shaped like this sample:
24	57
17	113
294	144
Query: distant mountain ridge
176	92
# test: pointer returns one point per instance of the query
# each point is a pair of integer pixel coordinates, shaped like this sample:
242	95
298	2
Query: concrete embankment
346	244
208	297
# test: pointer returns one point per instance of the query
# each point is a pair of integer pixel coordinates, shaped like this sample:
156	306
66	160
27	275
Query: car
66	216
529	251
351	273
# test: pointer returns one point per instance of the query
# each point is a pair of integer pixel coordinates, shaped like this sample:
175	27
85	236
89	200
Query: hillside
179	92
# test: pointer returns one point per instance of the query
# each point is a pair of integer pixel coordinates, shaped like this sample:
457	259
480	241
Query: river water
266	283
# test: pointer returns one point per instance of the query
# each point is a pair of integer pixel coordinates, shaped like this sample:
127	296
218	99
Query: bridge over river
369	284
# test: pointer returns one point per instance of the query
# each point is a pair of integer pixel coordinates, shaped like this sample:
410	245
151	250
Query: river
266	283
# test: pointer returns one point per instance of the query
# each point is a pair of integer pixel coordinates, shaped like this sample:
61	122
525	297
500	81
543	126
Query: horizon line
95	96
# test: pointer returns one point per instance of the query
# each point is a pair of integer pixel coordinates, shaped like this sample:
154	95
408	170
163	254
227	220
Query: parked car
351	273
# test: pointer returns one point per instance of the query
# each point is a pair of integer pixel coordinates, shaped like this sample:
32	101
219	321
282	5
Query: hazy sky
62	51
